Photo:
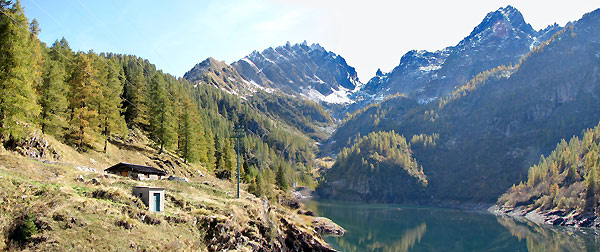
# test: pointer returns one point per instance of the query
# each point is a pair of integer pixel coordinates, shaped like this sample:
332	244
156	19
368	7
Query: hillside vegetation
495	126
88	100
381	167
66	205
567	179
65	114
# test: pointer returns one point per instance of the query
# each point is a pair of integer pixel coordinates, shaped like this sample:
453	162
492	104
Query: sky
175	35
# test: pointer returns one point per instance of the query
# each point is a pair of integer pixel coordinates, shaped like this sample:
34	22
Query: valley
483	123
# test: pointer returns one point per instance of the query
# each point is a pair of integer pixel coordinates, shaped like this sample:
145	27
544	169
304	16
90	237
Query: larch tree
53	99
161	116
188	132
18	101
109	109
84	91
37	54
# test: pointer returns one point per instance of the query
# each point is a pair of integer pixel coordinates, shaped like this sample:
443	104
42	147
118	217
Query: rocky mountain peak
502	21
219	74
301	69
501	38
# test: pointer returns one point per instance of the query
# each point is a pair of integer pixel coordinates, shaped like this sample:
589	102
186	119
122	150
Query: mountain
373	158
495	126
221	75
500	39
300	69
566	180
302	115
67	115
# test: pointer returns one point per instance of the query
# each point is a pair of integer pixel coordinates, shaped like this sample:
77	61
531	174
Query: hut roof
136	168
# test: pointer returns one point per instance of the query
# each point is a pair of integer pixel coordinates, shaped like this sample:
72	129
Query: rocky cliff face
301	69
500	39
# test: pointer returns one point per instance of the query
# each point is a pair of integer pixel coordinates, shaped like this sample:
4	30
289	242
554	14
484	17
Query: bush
23	229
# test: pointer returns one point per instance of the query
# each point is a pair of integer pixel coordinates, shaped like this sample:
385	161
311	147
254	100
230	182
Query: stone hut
139	172
153	197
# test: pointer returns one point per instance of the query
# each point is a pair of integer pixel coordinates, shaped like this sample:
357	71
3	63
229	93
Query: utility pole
238	133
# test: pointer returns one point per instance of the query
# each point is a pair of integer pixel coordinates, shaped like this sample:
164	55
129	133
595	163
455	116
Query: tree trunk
105	133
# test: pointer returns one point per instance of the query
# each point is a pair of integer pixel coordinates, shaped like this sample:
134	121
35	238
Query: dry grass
80	216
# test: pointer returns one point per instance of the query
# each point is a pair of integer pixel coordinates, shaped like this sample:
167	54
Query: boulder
178	179
326	226
79	178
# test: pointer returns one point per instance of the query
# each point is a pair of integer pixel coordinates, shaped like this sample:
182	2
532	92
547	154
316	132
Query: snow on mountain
301	69
501	38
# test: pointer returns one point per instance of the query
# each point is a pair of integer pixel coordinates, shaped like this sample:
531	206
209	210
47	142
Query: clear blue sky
175	35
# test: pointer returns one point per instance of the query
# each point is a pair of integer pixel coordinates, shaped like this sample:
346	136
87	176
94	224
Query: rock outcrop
550	217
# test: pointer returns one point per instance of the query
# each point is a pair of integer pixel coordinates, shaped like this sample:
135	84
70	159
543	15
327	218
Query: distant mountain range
496	101
320	75
298	70
500	39
494	126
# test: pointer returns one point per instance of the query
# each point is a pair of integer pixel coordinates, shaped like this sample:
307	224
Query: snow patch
266	89
534	43
250	62
340	96
427	100
429	68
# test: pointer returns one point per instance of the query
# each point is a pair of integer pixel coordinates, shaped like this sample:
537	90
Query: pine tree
18	101
61	51
135	91
281	178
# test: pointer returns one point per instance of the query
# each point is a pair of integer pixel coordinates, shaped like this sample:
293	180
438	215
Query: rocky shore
550	217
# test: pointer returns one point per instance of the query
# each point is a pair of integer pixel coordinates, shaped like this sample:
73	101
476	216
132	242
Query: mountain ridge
501	121
501	38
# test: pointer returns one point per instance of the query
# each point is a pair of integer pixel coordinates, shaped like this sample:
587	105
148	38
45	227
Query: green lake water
384	227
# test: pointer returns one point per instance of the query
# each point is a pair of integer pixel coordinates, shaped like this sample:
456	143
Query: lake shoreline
448	204
548	217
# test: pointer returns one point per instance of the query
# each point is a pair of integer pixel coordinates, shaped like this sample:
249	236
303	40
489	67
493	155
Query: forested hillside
88	100
381	167
492	128
567	179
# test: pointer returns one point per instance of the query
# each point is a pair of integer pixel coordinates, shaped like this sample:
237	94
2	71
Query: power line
104	60
114	70
144	70
64	56
195	120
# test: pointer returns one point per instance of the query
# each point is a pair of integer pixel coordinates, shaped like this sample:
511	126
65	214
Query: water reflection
409	228
365	232
370	242
552	239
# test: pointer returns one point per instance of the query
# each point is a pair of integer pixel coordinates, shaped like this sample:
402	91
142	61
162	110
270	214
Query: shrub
23	229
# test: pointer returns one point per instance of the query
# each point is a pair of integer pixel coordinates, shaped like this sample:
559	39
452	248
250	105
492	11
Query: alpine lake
388	227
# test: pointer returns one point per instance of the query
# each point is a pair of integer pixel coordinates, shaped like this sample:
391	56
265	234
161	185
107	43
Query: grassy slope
71	215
